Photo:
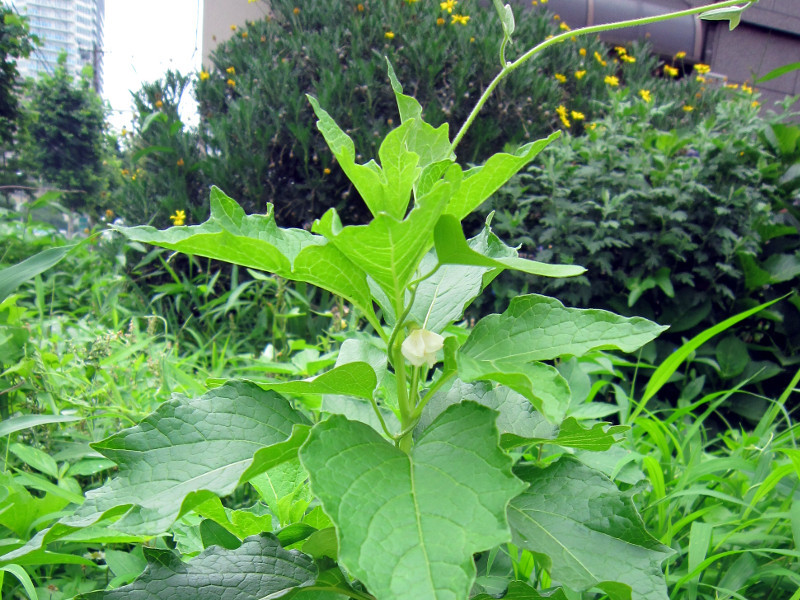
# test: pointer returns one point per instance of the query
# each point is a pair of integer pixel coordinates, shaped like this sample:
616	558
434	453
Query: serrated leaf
353	379
256	241
186	447
258	569
408	524
452	249
388	249
587	532
481	182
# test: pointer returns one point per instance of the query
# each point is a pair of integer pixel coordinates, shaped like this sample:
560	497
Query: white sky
143	39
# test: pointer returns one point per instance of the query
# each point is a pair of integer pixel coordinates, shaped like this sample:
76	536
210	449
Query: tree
68	136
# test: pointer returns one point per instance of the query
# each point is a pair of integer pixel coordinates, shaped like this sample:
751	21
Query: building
767	38
71	26
220	15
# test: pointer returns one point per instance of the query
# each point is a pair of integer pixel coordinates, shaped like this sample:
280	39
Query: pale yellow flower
421	346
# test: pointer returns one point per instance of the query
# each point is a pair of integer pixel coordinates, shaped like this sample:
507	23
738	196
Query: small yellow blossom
326	171
556	17
560	78
159	104
590	126
296	10
582	51
732	86
746	88
628	58
231	83
471	40
179	218
580	74
671	71
389	35
534	2
702	69
577	116
231	70
360	7
680	54
612	80
462	19
233	27
204	75
565	27
244	35
755	103
621	50
440	21
180	162
562	114
701	79
543	1
125	172
599	58
124	132
109	214
133	177
448	5
688	108
645	95
411	1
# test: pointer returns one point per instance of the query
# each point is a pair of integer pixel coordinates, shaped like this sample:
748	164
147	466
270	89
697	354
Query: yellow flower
556	17
448	5
599	58
543	1
204	75
565	27
463	19
296	10
701	79
231	83
612	80
582	51
360	7
560	78
580	74
746	88
125	172
440	21
628	58
180	162
326	171
680	54
159	104
244	34
688	108
645	94
562	114
577	116
231	70
755	103
124	132
590	126
671	71
411	1
471	40
109	214
732	86
701	68
388	35
534	2
621	50
179	218
233	27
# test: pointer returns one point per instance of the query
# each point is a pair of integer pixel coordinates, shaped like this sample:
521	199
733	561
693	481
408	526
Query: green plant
415	470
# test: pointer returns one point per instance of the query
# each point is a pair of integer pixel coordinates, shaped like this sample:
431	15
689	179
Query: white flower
421	346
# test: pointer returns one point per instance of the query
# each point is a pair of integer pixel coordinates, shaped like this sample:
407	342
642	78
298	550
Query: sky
143	39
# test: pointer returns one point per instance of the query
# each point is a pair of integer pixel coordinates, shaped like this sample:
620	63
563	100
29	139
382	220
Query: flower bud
421	346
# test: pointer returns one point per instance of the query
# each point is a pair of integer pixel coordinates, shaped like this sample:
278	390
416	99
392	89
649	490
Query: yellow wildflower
755	103
562	114
590	126
179	218
543	1
462	19
746	88
231	83
701	68
448	5
124	132
204	75
680	54
244	34
565	27
599	58
582	51
732	86
159	104
326	171
231	70
296	10
671	71
109	214
645	95
360	7
560	78
125	172
577	116
471	40
233	27
628	58
389	35
701	79
556	17
180	162
621	50
440	21
580	74
688	108
612	80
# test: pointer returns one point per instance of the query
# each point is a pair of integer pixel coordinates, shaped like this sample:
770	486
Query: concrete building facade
71	26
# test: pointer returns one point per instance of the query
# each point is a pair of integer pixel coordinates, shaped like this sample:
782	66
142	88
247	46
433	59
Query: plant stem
508	68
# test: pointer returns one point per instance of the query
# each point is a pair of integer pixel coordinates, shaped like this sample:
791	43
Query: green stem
429	394
509	68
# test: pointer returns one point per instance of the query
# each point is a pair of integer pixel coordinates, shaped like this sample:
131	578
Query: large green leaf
481	182
185	447
354	379
14	276
587	532
389	249
257	570
452	248
257	242
517	590
408	525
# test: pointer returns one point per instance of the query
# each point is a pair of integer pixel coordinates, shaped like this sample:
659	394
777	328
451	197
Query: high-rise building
71	26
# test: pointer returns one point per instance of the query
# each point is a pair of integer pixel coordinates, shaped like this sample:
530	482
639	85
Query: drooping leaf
481	182
732	14
452	249
257	242
258	569
587	532
408	524
14	276
388	249
353	379
186	447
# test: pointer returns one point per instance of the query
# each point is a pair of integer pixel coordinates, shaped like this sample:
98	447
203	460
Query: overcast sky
143	39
